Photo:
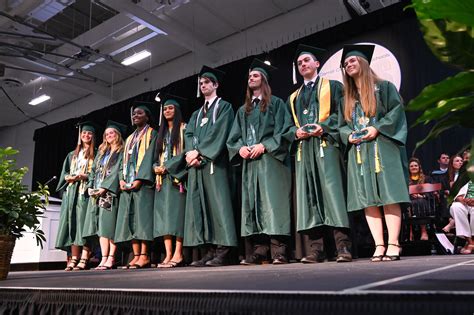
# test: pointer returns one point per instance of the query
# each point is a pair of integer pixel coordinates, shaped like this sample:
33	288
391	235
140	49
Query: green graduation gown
170	200
73	208
209	217
266	181
319	182
135	213
99	221
366	187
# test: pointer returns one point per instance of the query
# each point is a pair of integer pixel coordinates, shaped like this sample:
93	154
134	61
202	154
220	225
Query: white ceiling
181	35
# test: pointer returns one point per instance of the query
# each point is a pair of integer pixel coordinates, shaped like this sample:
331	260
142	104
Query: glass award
251	137
310	127
360	122
130	177
195	142
97	182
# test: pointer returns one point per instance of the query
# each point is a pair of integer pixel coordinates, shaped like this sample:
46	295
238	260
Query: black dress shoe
202	262
343	255
315	257
217	262
254	259
280	260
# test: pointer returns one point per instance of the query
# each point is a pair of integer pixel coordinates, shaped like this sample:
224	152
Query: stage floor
434	274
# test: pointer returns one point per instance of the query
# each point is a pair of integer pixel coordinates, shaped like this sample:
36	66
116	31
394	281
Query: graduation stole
377	164
105	165
214	117
85	169
324	100
143	146
159	178
214	111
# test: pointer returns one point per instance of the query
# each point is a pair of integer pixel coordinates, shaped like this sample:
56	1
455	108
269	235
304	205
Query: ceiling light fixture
39	99
136	57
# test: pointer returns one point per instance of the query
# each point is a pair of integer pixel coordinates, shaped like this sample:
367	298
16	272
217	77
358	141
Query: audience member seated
440	175
443	162
462	210
455	164
420	202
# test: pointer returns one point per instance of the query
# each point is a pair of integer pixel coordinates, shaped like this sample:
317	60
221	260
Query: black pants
316	238
261	243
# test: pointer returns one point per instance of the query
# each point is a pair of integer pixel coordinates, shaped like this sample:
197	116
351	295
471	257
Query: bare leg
75	253
84	259
110	259
374	220
178	252
136	252
393	218
424	233
143	259
168	240
104	249
449	226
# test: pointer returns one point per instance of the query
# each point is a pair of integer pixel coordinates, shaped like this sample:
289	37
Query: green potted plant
19	208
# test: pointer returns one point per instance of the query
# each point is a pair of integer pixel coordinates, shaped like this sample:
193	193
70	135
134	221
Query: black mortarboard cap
117	126
317	53
215	74
363	51
262	67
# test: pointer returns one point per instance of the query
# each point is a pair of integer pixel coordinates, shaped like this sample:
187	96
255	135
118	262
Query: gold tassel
198	94
298	154
294	74
359	159
322	144
159	181
377	159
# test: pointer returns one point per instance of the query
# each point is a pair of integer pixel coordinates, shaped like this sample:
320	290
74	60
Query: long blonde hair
368	79
105	146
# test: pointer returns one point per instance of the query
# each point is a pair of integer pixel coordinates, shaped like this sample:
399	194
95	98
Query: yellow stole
142	148
324	100
159	178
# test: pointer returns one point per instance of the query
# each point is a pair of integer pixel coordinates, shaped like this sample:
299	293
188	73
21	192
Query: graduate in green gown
209	217
104	193
373	126
135	213
261	138
320	202
170	171
74	175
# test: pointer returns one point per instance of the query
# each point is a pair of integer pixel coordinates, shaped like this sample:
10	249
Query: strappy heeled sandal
393	257
129	265
101	264
72	263
138	266
113	266
84	262
378	258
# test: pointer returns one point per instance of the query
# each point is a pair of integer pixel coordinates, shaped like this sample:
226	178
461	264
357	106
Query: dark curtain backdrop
391	27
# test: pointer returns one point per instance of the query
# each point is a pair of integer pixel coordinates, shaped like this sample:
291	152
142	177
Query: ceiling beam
92	87
176	32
